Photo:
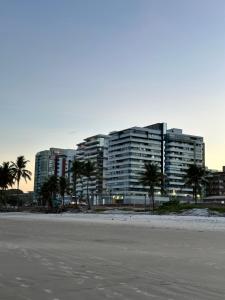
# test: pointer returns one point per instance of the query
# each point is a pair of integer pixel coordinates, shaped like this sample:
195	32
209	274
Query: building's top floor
175	131
156	129
55	152
179	132
162	127
96	137
95	140
157	132
185	139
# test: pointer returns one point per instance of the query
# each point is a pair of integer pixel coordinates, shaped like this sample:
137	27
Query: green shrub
170	203
217	209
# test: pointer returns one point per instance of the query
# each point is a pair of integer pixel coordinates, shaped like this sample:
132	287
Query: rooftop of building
95	137
92	138
56	151
154	128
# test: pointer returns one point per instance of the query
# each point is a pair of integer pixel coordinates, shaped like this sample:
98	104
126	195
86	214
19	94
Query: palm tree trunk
195	193
1	196
153	198
82	188
51	201
75	189
17	193
63	201
54	199
88	200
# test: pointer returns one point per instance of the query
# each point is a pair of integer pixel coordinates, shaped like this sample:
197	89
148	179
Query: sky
71	69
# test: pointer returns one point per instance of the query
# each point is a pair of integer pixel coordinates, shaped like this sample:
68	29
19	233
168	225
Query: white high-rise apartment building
93	149
128	151
181	150
171	150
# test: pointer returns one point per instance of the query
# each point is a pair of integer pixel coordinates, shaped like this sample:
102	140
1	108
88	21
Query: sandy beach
113	256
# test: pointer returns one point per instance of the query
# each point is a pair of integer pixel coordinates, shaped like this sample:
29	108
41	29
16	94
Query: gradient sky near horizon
71	69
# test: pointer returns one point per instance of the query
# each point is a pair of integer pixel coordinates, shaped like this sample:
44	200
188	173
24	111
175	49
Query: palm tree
151	177
89	170
53	187
195	178
46	194
63	188
76	170
19	171
6	177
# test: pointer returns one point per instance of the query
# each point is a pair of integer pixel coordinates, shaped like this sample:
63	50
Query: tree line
61	185
194	178
151	178
11	173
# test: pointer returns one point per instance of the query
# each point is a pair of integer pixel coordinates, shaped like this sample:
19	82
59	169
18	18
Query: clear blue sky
71	69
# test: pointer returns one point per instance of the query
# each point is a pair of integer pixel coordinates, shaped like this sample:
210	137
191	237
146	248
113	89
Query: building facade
181	151
119	160
171	150
54	161
95	150
216	183
128	152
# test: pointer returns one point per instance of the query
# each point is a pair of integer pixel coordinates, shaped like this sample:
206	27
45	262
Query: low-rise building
216	183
